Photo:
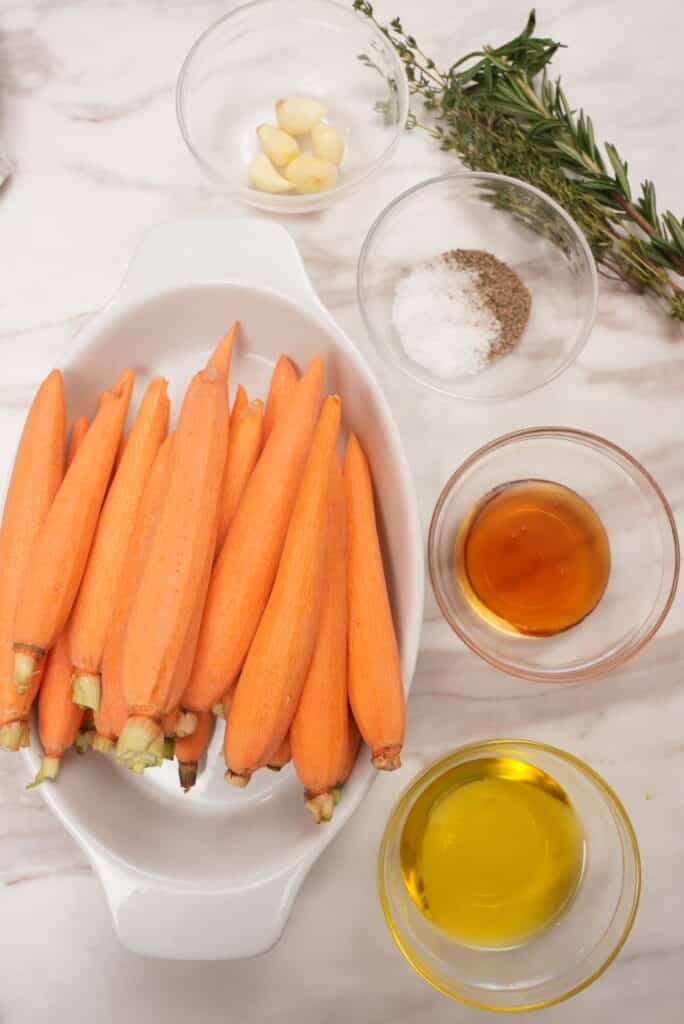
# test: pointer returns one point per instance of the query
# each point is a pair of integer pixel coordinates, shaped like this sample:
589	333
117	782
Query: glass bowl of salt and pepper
478	286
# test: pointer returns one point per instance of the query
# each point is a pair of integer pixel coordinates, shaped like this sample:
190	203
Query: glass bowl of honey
509	875
553	554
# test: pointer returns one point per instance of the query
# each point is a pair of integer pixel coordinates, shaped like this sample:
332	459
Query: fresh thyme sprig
498	109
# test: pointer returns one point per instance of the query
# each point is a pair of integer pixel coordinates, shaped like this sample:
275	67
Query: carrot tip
25	666
186	724
141	744
12	735
387	759
187	774
321	806
169	748
218	710
169	723
237	780
86	690
103	744
49	769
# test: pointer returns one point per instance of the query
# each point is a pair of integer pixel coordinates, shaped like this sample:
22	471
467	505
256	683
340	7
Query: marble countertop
87	117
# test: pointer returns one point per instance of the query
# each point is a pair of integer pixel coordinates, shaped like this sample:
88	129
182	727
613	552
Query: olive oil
533	558
492	852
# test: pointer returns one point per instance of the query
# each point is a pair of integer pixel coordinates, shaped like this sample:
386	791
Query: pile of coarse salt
441	320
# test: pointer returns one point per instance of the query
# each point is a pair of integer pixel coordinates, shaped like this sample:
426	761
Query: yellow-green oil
492	852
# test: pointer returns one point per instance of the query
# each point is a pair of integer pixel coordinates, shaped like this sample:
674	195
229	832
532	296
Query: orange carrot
275	670
375	688
322	804
36	476
283	383
59	719
319	729
247	565
244	447
222	354
92	611
240	403
281	756
113	711
60	553
190	749
174	573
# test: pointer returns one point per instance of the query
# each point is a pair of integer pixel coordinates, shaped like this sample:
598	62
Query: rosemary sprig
498	109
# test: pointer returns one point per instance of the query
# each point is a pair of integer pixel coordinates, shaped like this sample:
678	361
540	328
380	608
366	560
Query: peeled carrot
275	670
244	447
320	727
283	383
281	756
246	567
111	716
93	608
376	693
323	804
59	719
60	552
36	476
190	749
240	403
174	568
220	358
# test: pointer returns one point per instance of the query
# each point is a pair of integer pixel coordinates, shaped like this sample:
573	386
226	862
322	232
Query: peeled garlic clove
327	142
311	174
263	175
278	146
297	115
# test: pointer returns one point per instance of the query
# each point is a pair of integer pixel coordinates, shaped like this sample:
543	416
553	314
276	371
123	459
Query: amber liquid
533	558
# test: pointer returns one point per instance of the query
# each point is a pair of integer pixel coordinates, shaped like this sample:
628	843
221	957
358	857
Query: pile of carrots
231	568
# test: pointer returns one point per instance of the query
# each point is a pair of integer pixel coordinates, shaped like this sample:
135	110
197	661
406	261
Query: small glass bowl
644	548
576	948
516	223
263	51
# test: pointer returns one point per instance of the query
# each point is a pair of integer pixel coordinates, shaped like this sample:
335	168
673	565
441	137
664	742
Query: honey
492	852
533	558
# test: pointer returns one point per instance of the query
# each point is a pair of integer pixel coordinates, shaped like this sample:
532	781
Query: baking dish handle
173	922
202	249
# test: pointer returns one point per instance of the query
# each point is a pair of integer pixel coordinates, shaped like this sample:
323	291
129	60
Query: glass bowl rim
294	204
590	263
576	436
611	799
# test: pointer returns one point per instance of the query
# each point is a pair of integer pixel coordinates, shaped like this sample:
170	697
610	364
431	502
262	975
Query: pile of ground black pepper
499	289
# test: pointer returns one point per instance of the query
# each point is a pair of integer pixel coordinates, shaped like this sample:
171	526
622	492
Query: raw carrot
190	749
113	712
244	447
36	476
376	693
322	804
173	572
281	756
92	611
240	403
246	567
319	730
283	383
275	670
222	354
59	719
60	553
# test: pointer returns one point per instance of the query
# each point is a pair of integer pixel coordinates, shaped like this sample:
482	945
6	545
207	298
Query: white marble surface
87	116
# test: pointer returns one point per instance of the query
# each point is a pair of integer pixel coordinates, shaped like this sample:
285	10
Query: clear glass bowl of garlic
274	69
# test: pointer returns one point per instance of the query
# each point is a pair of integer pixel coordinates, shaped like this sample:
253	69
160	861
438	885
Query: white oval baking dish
213	874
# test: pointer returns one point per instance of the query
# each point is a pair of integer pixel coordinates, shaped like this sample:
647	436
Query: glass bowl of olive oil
509	875
553	554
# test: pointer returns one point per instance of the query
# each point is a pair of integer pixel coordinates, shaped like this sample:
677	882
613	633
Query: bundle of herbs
500	112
